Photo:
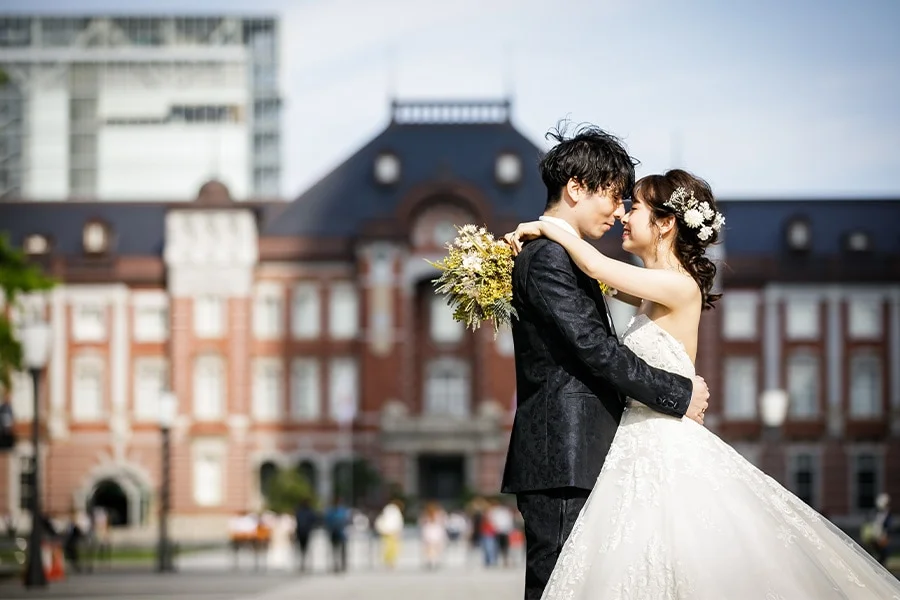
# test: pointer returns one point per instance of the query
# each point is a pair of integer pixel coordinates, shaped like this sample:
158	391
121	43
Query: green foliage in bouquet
476	277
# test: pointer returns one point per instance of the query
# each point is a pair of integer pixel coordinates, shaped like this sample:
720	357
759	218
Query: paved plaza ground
401	585
212	575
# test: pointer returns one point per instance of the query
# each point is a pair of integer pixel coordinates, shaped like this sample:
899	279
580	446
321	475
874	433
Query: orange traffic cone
54	562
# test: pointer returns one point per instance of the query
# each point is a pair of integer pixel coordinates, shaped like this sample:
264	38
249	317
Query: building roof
434	147
138	229
442	143
758	226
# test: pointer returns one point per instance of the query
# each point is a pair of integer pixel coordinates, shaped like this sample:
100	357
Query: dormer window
95	238
508	169
36	245
387	168
799	236
858	241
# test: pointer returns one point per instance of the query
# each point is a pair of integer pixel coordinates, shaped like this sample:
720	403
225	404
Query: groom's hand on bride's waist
699	400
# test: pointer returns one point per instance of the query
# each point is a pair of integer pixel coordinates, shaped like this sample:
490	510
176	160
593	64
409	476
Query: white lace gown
677	513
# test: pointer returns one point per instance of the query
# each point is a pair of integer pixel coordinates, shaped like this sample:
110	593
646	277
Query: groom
572	374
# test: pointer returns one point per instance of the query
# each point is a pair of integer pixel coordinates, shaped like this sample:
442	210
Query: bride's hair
665	196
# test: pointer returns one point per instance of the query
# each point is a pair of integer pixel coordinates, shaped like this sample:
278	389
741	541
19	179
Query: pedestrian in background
306	520
389	526
433	527
337	519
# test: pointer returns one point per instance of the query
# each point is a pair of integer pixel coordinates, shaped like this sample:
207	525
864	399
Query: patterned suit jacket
572	375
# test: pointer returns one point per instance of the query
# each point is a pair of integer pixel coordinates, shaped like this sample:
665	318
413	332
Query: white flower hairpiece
695	214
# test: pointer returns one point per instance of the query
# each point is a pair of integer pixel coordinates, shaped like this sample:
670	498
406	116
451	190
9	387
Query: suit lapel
600	300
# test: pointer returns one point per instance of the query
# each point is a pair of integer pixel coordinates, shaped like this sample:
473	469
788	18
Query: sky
763	98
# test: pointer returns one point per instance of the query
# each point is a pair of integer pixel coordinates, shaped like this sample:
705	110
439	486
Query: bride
676	512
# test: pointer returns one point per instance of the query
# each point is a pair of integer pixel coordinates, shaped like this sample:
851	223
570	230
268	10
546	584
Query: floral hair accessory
695	214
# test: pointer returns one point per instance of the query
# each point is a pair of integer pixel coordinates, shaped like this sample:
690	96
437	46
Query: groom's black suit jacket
572	375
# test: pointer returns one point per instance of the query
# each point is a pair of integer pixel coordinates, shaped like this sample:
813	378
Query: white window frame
876	409
209	316
448	388
306	395
443	328
151	317
268	312
804	358
208	453
306	311
21	396
504	341
793	470
268	389
82	331
740	315
855	453
343	311
146	392
79	410
212	407
343	388
865	318
803	317
748	409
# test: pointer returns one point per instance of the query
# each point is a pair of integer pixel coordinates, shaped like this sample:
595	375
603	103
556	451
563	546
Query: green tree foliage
365	481
17	277
286	489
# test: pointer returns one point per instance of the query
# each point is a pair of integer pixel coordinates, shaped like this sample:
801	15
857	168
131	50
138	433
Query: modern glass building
138	108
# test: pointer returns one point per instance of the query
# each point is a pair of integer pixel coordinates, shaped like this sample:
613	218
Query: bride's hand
523	233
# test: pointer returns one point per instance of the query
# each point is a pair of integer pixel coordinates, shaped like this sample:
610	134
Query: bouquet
476	276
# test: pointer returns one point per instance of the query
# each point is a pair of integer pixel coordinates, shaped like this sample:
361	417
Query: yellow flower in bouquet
606	289
476	276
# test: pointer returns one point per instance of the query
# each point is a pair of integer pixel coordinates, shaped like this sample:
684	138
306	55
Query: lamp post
168	407
774	407
35	338
346	413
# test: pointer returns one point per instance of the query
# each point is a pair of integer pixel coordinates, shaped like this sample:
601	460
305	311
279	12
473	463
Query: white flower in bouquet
472	263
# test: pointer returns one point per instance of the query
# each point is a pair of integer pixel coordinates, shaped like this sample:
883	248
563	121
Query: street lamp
35	338
774	407
168	408
346	413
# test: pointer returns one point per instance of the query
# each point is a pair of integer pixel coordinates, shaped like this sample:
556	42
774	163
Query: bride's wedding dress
677	513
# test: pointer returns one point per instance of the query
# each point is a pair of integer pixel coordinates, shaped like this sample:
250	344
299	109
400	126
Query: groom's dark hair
591	156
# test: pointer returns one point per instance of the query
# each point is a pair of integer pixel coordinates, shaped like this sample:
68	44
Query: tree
364	483
287	489
17	277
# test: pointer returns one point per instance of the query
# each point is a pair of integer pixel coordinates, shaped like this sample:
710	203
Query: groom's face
599	211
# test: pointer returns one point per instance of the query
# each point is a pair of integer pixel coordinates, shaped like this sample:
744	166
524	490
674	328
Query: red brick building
302	334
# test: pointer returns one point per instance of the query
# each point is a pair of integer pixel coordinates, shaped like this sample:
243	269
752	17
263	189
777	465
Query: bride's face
639	233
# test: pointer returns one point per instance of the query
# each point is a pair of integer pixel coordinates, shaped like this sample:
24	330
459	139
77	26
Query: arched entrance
267	472
124	491
109	495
